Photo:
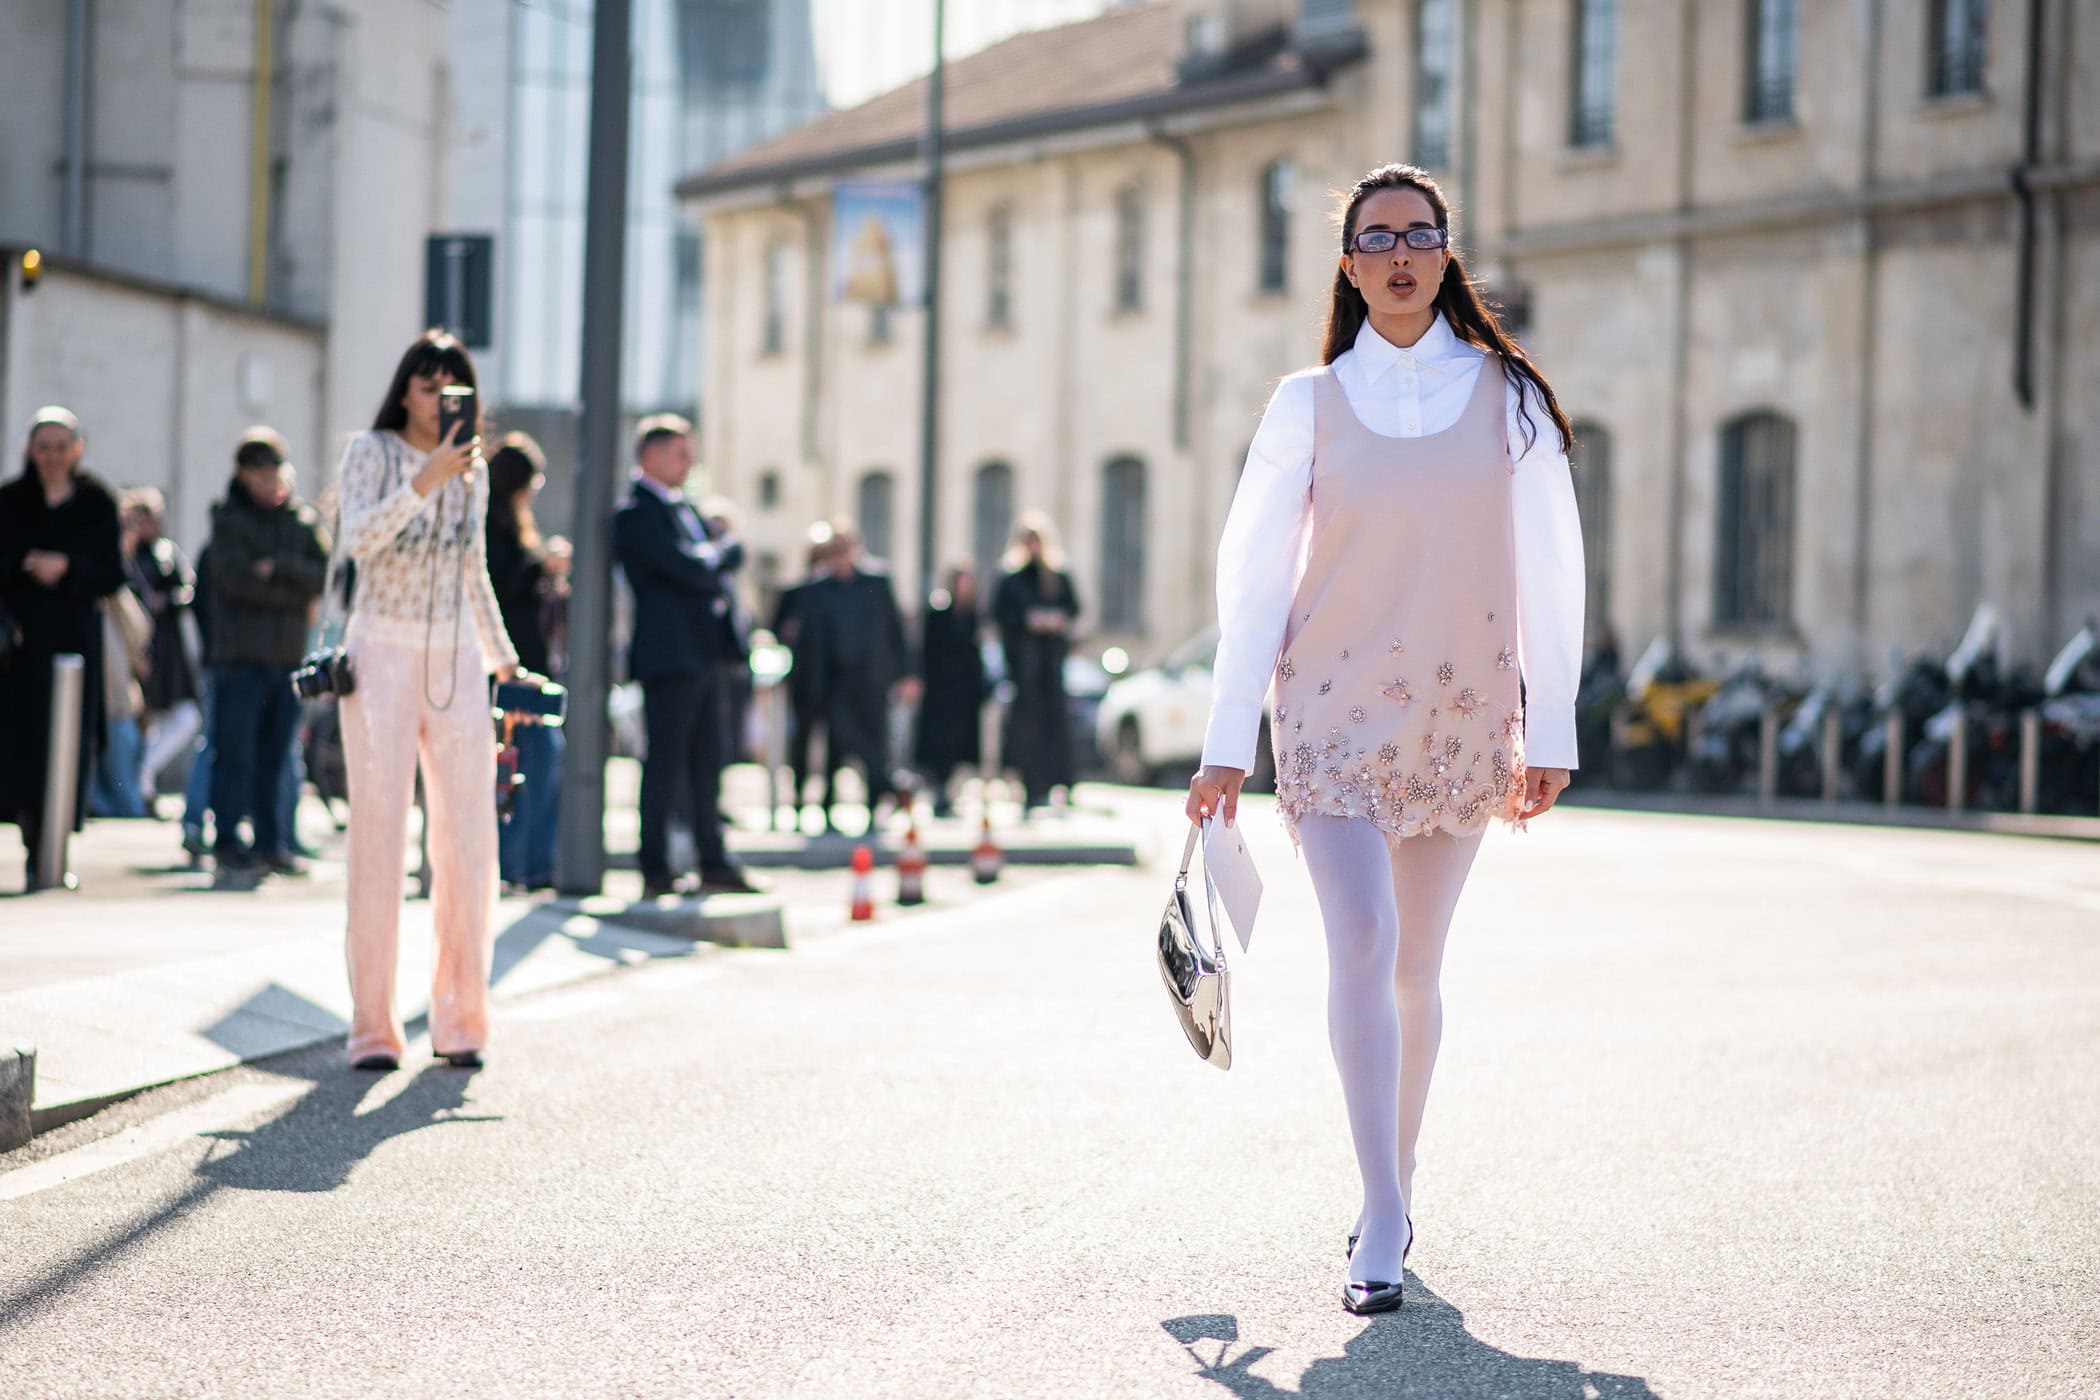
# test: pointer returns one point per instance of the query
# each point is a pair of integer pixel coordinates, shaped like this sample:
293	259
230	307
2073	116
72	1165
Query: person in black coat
60	556
851	620
160	574
952	671
1034	608
530	575
804	681
684	634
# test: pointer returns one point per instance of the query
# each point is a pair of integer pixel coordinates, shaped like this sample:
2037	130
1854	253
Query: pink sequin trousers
397	716
1396	696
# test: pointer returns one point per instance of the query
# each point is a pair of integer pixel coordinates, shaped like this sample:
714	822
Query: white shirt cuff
1549	734
1233	733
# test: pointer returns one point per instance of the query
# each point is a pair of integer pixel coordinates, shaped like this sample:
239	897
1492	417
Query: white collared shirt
1397	392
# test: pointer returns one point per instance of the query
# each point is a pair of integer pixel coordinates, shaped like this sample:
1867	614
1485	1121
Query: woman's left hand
1541	787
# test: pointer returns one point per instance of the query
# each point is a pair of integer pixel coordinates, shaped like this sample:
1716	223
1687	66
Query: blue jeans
196	793
292	786
525	844
256	716
115	792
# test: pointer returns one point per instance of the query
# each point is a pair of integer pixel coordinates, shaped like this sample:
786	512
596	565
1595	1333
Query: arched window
1592	463
1123	545
1754	523
875	505
991	518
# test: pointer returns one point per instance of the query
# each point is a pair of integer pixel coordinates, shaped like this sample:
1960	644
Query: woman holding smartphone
1424	466
425	634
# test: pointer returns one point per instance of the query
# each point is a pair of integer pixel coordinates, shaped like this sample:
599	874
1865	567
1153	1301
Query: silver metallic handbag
1198	982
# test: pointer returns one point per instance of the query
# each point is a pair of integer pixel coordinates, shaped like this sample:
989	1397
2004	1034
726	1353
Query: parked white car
1150	724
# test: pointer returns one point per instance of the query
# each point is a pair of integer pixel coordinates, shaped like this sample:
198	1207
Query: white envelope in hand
1231	872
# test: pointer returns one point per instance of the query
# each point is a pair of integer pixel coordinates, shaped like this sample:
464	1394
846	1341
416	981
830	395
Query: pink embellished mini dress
1396	697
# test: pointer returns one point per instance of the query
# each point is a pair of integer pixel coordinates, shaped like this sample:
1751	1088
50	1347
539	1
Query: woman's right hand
1215	792
455	457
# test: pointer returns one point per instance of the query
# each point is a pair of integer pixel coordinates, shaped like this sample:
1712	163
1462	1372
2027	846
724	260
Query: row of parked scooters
1968	732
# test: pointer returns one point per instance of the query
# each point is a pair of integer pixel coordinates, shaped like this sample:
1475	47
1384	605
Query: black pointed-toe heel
377	1064
1351	1251
1370	1297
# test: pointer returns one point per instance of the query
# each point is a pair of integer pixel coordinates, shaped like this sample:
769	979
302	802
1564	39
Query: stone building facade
1819	283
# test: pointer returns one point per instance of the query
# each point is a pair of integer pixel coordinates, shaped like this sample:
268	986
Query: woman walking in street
952	669
1034	608
60	556
425	633
1427	458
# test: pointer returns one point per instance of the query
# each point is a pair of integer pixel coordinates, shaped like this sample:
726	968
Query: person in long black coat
858	635
60	556
952	672
1034	608
805	680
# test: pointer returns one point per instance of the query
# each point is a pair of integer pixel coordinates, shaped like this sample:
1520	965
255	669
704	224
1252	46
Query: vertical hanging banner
877	232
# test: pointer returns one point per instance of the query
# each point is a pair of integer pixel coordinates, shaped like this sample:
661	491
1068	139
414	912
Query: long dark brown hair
430	352
1457	298
515	467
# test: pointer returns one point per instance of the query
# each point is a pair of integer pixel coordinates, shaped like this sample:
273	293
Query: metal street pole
930	385
580	859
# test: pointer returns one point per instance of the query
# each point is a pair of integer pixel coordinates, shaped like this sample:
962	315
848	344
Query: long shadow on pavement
1422	1350
311	1146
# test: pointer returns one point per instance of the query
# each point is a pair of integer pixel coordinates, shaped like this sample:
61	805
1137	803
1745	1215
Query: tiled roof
1119	65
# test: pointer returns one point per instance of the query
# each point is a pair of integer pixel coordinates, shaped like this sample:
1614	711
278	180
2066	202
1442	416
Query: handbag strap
1210	893
1188	852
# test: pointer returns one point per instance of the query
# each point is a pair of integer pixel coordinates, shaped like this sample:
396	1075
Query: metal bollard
1768	755
2030	760
1892	760
61	773
1833	753
1958	760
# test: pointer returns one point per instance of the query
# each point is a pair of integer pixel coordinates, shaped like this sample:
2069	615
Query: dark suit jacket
678	583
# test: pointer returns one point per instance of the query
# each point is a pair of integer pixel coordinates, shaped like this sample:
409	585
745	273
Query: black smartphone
456	406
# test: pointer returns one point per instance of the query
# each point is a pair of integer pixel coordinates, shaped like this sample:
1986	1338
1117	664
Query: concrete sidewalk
148	974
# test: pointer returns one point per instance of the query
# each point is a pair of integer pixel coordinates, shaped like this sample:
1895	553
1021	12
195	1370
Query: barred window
1754	523
1435	53
1274	272
1592	462
1123	545
1768	69
1595	72
999	268
1957	46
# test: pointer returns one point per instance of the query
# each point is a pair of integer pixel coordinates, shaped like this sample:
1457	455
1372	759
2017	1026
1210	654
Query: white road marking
155	1135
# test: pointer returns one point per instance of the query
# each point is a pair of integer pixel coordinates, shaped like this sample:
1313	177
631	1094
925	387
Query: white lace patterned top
422	561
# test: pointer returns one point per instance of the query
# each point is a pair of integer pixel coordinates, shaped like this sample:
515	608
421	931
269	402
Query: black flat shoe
459	1059
378	1064
1366	1298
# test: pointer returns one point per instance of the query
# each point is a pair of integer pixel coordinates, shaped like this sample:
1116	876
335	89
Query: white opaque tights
1387	906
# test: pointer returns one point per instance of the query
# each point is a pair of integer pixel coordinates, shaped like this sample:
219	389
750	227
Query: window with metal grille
1594	74
1130	247
875	504
1592	462
999	268
775	327
1957	37
1123	545
991	518
1435	52
1768	68
1754	523
1274	272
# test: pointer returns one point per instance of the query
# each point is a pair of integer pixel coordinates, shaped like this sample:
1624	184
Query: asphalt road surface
1724	1109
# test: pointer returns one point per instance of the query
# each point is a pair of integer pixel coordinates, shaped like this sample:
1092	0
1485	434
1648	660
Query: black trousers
254	716
685	718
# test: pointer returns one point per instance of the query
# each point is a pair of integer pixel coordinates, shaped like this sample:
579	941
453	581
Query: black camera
324	673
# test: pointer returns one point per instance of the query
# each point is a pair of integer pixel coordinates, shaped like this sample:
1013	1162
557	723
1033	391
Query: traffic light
32	268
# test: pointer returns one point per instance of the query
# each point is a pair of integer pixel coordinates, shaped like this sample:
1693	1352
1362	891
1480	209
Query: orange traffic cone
911	867
863	884
987	859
